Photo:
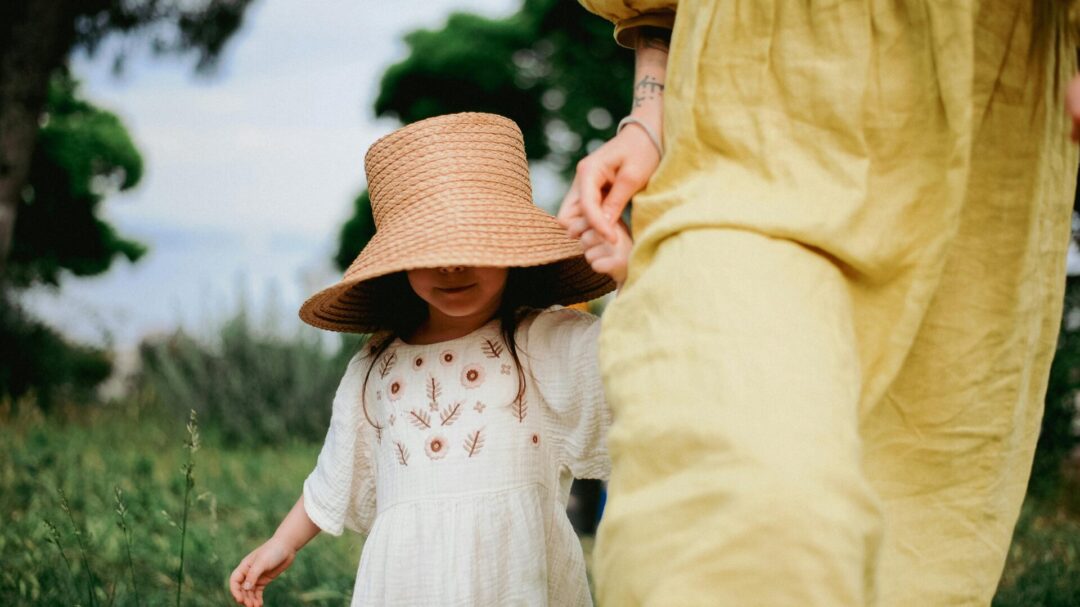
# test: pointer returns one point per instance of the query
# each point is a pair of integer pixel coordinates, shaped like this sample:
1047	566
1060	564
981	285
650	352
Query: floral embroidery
519	408
474	442
535	439
434	390
387	364
420	418
505	369
435	447
391	419
378	395
395	389
479	406
472	376
447	357
418	362
402	453
450	414
492	348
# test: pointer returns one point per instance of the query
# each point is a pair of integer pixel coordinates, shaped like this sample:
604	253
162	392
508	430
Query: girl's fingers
577	227
589	238
238	576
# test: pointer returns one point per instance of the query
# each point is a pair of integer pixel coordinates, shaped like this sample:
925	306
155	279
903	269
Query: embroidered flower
418	362
472	376
479	406
535	439
395	389
505	369
447	357
435	447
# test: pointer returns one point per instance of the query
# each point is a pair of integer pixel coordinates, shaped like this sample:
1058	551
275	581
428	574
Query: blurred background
177	176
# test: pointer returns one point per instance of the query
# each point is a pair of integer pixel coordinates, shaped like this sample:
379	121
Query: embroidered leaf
492	348
434	390
450	414
474	442
420	418
520	408
387	364
402	454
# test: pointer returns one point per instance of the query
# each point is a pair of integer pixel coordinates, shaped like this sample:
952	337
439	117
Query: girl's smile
459	298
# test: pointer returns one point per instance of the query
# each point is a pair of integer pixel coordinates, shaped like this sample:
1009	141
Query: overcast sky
250	173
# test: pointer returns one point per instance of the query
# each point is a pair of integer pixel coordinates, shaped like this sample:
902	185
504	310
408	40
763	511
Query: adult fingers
627	183
591	181
589	238
569	208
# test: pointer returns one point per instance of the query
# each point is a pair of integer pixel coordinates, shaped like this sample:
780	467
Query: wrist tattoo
647	89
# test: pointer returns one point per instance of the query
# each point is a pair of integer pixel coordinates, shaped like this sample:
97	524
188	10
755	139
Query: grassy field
237	498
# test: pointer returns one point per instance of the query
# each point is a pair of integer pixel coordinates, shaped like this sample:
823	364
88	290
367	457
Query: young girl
457	430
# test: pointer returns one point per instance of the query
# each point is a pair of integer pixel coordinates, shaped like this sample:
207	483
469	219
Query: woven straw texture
448	191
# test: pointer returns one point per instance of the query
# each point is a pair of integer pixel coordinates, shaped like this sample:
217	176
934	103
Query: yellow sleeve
628	15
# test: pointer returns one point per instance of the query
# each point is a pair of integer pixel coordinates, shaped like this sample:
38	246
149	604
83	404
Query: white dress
461	487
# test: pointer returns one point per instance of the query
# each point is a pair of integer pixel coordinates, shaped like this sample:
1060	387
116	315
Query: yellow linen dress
828	364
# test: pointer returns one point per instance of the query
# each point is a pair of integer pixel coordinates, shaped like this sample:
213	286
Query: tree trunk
35	38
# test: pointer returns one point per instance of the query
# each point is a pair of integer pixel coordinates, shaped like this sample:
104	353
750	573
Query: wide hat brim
499	235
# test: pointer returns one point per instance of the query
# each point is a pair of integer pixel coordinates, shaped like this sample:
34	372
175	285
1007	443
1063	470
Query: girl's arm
622	166
266	562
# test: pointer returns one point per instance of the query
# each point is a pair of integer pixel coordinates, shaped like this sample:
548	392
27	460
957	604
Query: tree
551	67
83	154
38	36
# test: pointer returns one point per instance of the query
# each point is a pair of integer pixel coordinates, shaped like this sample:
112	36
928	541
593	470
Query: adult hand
1072	105
607	179
258	569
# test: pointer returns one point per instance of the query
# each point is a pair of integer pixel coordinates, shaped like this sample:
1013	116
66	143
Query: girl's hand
1072	105
258	568
607	179
606	257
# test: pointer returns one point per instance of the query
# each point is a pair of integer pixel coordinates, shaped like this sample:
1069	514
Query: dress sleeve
340	491
562	354
628	15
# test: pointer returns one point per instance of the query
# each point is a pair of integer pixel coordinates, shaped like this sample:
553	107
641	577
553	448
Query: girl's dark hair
400	310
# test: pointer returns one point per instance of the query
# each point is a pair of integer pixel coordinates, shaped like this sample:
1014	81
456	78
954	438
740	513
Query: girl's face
460	291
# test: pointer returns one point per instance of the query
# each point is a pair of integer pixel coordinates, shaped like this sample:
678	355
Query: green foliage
1057	437
83	154
356	232
249	386
237	499
1044	560
36	359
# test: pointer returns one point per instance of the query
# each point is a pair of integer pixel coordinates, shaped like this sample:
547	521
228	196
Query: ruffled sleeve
562	354
628	15
340	491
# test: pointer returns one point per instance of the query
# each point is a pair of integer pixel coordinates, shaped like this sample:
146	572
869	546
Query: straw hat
454	191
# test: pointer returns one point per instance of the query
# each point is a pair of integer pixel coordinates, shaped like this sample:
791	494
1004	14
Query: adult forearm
650	75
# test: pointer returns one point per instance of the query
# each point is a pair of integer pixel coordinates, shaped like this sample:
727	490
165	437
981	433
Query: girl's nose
451	269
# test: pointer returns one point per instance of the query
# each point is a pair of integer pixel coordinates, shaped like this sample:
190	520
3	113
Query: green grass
237	499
